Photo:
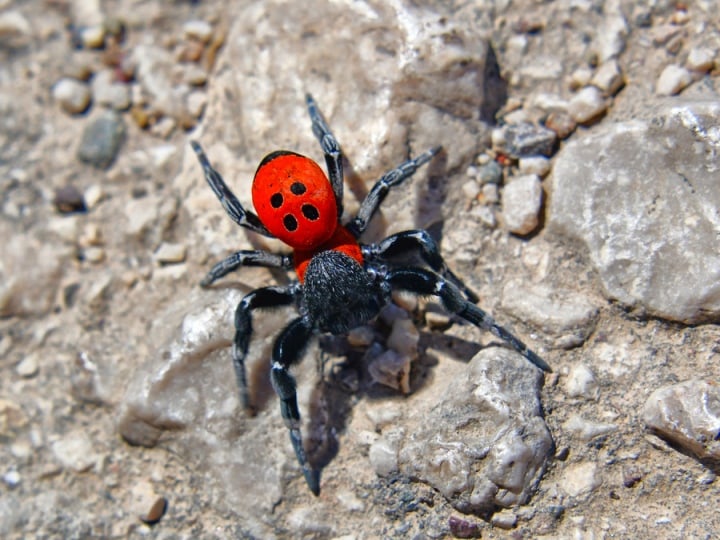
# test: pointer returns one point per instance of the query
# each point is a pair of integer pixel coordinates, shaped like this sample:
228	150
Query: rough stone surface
687	414
494	451
647	209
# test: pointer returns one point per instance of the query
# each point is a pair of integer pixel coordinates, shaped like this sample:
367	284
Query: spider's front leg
266	297
247	258
381	188
227	198
421	281
331	149
288	348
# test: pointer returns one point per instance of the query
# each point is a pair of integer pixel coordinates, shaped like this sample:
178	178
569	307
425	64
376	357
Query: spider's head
294	200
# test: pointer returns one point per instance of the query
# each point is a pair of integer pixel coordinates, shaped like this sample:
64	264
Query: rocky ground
576	194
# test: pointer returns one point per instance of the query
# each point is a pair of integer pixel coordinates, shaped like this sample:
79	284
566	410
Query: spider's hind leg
266	297
287	351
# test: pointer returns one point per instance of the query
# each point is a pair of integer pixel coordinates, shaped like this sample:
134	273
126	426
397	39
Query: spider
341	283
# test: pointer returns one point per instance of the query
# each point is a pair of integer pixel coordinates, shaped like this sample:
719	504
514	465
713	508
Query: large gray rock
643	196
484	444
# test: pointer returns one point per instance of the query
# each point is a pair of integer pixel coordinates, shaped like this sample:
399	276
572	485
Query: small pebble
91	235
198	29
72	95
470	190
529	140
538	165
521	202
464	528
146	504
490	194
580	478
362	336
580	77
504	519
68	200
169	253
107	91
15	29
586	430
11	479
486	215
28	367
581	382
93	195
101	140
195	75
75	453
587	105
490	173
94	254
164	127
631	476
561	123
93	37
701	59
609	78
673	80
404	338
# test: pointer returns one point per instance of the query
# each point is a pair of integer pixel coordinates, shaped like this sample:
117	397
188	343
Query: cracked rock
642	196
484	444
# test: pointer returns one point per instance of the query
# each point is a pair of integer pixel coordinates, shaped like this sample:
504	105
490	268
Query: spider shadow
349	380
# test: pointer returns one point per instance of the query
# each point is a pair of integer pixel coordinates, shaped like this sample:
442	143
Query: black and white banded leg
421	243
381	188
287	351
266	297
331	149
421	281
230	203
247	258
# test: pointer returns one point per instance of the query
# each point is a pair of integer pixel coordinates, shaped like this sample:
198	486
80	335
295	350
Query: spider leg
420	242
230	203
331	149
286	352
381	188
421	281
247	258
266	297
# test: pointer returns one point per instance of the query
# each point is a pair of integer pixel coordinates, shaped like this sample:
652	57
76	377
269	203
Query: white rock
580	479
72	95
609	78
15	28
537	165
701	59
587	105
383	457
75	452
581	382
170	253
521	202
198	29
586	430
28	366
672	80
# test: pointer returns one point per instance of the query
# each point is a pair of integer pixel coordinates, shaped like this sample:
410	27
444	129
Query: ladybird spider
341	283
